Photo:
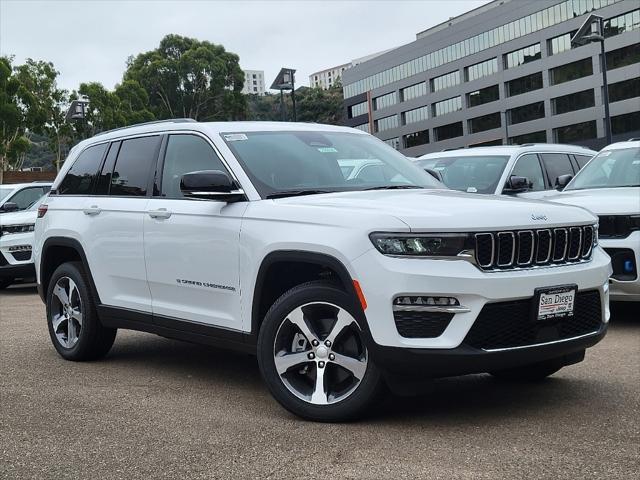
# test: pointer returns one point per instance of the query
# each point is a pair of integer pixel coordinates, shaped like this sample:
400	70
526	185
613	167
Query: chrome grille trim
525	249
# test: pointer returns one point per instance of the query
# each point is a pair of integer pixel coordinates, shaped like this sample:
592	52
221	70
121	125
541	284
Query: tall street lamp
285	81
592	30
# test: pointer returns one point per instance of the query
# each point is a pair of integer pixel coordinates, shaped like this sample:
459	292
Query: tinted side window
186	153
529	166
82	175
134	166
27	197
557	164
104	178
582	160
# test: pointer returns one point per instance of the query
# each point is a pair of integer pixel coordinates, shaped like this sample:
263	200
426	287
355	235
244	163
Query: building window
415	115
445	81
415	139
482	96
526	84
571	71
622	23
522	56
624	90
485	122
447	106
358	109
534	137
576	132
445	132
386	123
560	44
364	127
393	142
526	113
482	69
573	101
384	101
414	91
623	56
629	122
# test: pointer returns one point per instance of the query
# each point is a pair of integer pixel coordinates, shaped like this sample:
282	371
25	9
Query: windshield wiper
295	193
393	187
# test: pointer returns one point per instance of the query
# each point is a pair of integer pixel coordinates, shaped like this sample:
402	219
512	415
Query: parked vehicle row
260	237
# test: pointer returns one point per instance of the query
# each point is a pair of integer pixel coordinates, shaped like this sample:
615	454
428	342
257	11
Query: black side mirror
563	180
9	207
210	185
517	184
435	174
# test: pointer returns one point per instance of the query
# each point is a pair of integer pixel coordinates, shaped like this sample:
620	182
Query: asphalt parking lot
157	408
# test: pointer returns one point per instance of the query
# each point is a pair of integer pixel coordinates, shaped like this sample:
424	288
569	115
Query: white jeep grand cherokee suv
249	235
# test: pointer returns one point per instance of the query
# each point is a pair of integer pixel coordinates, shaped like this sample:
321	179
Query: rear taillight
42	210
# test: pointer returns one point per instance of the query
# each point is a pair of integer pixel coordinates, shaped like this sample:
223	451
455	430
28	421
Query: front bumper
625	290
10	267
384	278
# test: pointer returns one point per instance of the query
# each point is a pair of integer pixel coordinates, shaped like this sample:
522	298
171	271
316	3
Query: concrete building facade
325	79
502	73
253	82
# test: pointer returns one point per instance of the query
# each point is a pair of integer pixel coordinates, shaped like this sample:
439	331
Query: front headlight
421	245
9	229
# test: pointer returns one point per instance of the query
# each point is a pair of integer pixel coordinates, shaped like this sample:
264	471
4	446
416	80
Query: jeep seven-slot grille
527	248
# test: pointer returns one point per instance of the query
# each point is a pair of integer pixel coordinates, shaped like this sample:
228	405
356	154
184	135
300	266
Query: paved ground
157	408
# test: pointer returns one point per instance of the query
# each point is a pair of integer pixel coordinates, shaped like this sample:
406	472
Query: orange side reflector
363	301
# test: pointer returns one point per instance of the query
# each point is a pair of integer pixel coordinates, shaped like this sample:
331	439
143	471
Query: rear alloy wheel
313	355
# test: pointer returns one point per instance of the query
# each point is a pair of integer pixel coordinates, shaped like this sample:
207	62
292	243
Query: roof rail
634	139
451	149
171	120
545	143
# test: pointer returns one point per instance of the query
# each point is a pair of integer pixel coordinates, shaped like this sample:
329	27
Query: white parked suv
529	171
250	236
609	186
21	196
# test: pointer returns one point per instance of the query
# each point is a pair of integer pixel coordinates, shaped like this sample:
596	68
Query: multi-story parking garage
503	73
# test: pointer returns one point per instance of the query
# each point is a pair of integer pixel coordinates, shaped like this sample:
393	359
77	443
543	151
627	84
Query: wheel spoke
73	289
319	395
57	321
72	332
343	321
297	318
355	366
286	361
61	293
76	314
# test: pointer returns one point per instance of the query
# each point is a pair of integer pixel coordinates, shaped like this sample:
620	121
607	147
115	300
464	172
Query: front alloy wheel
66	311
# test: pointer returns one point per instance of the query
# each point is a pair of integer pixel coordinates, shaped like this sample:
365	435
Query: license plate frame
553	310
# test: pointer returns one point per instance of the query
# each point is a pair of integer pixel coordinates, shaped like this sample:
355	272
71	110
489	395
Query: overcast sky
90	40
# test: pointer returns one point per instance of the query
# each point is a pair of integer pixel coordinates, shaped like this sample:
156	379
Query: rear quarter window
133	169
82	175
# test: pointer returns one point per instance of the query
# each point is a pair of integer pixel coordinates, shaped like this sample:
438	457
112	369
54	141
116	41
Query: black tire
6	282
529	373
94	340
355	404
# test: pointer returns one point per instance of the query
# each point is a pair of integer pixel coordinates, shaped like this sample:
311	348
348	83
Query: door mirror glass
10	207
562	181
210	184
517	184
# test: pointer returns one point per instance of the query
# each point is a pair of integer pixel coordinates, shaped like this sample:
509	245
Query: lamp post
77	111
587	34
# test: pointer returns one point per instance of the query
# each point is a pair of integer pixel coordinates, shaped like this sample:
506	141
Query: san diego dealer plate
555	302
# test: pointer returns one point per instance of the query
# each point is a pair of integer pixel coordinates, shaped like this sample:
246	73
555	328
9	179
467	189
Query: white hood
603	201
27	217
433	210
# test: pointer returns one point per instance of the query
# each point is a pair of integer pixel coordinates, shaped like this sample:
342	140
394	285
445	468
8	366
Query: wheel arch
319	264
55	252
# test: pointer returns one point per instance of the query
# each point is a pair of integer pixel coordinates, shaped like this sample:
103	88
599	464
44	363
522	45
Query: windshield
474	174
291	163
610	169
4	192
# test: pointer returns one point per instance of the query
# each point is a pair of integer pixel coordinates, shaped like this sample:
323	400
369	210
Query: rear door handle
92	210
160	213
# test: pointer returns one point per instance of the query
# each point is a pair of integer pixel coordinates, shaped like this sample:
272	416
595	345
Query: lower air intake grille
421	324
511	324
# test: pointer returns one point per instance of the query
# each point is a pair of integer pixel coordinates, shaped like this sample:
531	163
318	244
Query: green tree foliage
185	77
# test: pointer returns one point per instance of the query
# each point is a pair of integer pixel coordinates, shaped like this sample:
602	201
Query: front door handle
92	210
160	213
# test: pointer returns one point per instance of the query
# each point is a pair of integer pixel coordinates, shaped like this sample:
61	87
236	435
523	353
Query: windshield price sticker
235	137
